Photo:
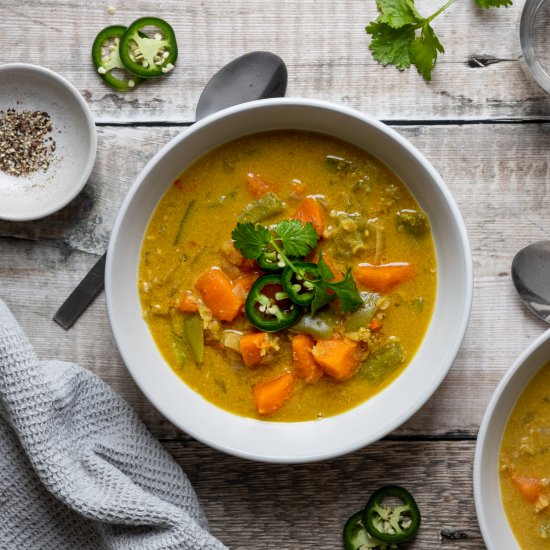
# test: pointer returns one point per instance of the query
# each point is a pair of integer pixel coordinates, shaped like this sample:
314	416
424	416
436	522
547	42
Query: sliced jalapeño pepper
267	305
106	58
147	56
299	288
391	524
269	260
356	537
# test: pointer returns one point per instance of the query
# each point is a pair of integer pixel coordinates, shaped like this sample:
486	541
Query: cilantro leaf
486	4
347	293
297	239
321	299
324	270
250	239
398	13
391	46
424	51
395	38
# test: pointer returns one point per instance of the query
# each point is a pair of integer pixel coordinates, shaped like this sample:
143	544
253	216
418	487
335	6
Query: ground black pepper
25	143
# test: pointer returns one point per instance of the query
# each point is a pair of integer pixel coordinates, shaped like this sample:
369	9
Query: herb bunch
292	239
402	37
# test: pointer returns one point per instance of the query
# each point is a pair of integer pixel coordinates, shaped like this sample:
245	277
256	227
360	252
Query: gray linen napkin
78	469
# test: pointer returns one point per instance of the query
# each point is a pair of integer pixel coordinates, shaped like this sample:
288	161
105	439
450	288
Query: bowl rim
485	429
80	181
422	397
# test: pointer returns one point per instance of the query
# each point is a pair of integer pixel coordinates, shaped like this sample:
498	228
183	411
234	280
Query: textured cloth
78	469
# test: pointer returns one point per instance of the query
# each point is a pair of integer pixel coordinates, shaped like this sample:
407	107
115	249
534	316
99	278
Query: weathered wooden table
481	122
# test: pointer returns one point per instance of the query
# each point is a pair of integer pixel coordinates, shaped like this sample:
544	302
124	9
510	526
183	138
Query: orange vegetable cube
338	357
385	277
187	303
270	396
305	365
253	348
529	487
375	325
217	293
257	185
310	210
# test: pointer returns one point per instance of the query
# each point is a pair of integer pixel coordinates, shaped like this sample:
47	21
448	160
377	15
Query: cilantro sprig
402	37
291	238
296	239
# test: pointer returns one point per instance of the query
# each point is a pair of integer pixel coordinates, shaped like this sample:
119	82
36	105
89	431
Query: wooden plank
251	505
323	43
497	173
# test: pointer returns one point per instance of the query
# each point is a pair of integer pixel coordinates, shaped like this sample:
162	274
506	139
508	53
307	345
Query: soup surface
215	319
525	464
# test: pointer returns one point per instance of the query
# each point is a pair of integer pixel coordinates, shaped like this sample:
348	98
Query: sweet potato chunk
270	396
338	357
305	365
217	293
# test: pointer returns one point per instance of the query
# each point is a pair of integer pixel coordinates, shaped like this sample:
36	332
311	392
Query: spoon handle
82	296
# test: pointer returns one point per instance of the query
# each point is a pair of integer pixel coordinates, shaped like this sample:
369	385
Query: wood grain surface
323	43
481	122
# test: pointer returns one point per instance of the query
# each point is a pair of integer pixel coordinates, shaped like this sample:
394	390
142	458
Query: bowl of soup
288	280
511	468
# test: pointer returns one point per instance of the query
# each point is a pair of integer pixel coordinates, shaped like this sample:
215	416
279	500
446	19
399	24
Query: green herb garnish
402	37
294	239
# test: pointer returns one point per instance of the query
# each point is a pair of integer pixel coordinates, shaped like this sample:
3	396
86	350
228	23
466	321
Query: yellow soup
525	464
369	235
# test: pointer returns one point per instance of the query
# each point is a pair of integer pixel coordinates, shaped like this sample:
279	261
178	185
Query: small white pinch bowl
290	442
41	193
491	516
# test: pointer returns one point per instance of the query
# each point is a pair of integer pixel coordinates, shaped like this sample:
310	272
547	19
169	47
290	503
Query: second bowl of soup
511	480
280	280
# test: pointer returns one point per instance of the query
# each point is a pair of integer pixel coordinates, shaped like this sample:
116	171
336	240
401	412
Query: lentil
25	143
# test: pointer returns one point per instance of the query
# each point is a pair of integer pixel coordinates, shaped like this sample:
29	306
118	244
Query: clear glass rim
530	62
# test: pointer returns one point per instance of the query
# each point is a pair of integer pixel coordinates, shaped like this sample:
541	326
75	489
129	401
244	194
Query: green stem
279	251
440	10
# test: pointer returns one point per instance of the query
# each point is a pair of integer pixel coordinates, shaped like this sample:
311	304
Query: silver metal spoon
531	277
255	75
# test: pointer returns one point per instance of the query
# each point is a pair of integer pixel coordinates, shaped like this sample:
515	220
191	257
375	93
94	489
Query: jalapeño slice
106	58
298	287
356	537
391	523
269	260
268	307
147	56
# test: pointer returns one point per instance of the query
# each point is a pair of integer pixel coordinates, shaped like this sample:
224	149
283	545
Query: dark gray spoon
531	277
255	75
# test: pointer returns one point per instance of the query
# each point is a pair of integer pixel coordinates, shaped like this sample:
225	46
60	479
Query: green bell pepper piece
382	362
257	211
194	334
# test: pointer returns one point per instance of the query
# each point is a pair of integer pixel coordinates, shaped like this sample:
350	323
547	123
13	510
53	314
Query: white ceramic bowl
29	87
490	511
300	441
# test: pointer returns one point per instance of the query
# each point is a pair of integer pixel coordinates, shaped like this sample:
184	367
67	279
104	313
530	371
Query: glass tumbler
534	36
